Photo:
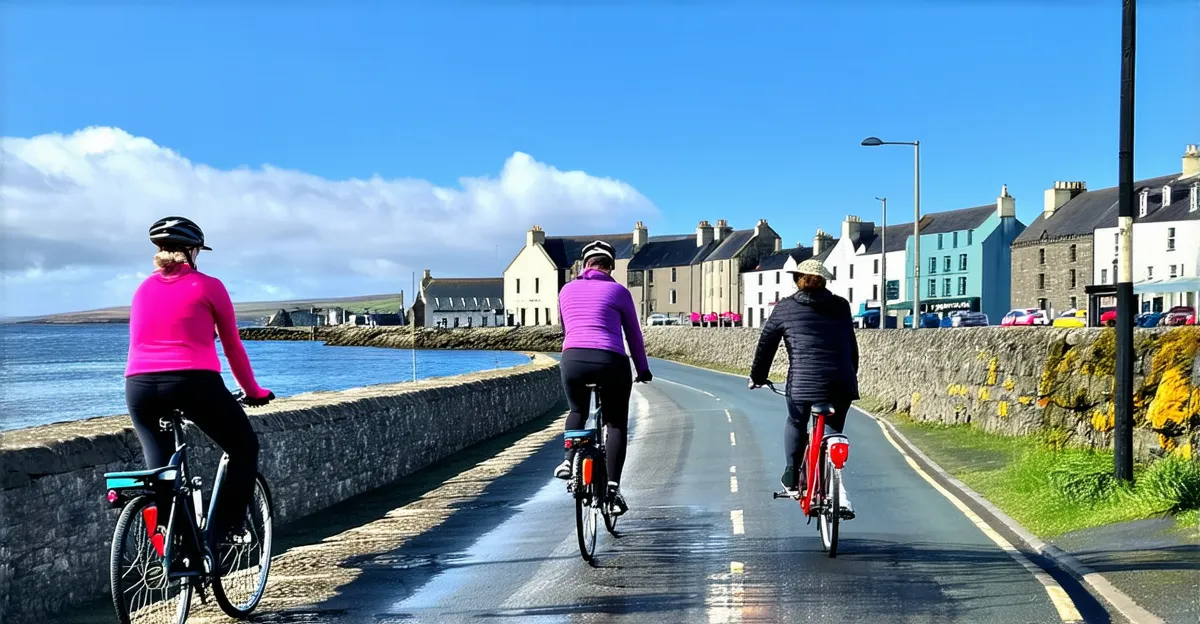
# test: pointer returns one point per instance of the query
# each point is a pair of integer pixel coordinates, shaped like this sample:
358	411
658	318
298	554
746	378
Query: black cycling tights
611	371
204	399
795	430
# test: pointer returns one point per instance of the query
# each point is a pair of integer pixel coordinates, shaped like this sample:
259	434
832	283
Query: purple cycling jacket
594	308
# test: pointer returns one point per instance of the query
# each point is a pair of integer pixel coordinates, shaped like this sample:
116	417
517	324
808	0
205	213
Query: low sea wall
317	449
1005	380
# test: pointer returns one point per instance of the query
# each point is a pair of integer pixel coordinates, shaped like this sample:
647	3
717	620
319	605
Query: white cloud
76	208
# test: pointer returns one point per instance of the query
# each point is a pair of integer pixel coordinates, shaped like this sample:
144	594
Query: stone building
1056	257
737	252
663	274
459	302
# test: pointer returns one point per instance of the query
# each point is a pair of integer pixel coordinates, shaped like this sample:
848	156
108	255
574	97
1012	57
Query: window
1074	303
1149	272
1041	281
962	262
932	288
1174	271
940	241
954	240
650	276
1116	242
760	298
1170	239
720	291
760	279
1043	304
946	265
932	265
969	233
875	292
876	267
777	274
674	274
850	295
1166	196
946	287
835	272
456	321
519	292
1071	254
549	321
674	300
537	317
1071	277
1143	203
962	286
483	321
851	271
1103	276
1042	256
721	268
777	295
1194	198
537	285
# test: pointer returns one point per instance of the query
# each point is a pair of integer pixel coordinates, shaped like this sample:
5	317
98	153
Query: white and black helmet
598	248
177	233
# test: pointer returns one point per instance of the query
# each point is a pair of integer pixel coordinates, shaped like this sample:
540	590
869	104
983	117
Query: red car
1108	317
1180	315
1025	317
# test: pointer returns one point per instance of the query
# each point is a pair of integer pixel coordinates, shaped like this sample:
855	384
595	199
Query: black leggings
611	372
795	430
203	397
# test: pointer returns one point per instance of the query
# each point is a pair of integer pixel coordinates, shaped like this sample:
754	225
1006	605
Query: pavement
490	535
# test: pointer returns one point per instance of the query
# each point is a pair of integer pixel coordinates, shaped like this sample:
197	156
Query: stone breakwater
317	449
1005	380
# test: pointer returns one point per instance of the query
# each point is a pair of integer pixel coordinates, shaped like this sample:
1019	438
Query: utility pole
1123	399
883	268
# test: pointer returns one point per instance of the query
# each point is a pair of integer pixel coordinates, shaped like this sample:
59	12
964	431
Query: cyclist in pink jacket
173	365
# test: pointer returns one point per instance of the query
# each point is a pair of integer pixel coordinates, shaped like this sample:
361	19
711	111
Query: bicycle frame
818	444
580	438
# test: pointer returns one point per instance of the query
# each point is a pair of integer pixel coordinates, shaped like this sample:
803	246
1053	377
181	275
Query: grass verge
1053	490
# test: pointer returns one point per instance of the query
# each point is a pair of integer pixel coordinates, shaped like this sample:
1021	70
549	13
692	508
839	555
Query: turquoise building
966	260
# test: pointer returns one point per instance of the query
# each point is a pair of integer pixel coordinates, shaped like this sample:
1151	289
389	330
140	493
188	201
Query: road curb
1121	601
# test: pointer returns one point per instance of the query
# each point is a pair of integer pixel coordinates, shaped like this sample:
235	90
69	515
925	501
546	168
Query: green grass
1053	490
390	304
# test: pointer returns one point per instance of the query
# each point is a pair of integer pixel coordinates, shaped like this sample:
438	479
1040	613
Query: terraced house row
979	259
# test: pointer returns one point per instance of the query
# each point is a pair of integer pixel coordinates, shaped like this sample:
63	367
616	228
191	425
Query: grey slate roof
1180	208
1090	210
669	251
566	250
732	244
897	237
824	255
465	294
775	261
957	220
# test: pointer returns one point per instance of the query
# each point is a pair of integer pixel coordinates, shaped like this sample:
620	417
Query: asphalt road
697	545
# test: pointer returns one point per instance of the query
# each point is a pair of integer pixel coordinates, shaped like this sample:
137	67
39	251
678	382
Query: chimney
1191	160
1006	205
426	279
778	244
704	234
535	236
723	230
641	236
851	227
821	242
1062	193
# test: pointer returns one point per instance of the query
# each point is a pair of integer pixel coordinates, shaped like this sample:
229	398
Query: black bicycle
589	480
154	573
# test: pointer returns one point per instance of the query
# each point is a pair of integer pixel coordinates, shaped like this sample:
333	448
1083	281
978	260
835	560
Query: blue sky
746	112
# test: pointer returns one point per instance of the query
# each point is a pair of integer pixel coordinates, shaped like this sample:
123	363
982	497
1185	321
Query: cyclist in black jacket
818	329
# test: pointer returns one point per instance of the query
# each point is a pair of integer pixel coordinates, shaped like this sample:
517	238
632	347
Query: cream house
664	273
533	278
736	252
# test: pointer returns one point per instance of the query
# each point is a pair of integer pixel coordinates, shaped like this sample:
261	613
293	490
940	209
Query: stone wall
1026	266
317	449
1006	380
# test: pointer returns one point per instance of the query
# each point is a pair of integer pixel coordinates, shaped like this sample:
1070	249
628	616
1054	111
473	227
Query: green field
246	311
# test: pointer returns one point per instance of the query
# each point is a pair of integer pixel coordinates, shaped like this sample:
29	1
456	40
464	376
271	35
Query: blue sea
57	373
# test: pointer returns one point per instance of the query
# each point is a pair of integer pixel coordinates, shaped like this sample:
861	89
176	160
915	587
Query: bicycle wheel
243	561
586	510
142	592
831	514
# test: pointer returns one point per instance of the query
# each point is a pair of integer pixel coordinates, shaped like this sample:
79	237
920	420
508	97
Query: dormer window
1195	200
1166	196
1143	203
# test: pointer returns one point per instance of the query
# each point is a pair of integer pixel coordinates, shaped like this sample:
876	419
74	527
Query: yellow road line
1058	596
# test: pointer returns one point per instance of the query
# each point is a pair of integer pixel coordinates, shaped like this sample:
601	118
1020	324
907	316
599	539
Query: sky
332	150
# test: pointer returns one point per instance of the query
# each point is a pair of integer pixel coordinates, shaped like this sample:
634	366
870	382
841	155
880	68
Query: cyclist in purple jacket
594	309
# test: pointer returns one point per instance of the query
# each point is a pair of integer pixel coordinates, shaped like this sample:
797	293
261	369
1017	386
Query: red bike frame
838	453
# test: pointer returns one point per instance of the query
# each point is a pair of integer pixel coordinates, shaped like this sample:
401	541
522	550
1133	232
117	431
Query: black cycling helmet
598	248
177	233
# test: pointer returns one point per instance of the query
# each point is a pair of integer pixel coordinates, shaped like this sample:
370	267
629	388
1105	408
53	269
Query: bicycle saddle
823	408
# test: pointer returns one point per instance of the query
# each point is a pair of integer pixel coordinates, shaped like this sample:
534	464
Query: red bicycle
823	463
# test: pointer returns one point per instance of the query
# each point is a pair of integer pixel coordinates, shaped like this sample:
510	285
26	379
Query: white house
770	282
1166	241
857	262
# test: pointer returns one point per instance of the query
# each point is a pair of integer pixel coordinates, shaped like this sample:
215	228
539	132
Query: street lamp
916	286
883	267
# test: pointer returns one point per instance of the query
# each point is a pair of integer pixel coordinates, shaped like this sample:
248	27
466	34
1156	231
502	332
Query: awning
1171	285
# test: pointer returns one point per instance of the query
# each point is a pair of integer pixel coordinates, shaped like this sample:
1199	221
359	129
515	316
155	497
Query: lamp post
1123	398
883	267
916	285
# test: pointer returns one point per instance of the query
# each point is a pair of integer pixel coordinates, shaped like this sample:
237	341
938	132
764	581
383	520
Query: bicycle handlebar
240	396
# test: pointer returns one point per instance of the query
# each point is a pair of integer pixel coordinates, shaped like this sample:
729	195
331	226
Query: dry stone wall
317	449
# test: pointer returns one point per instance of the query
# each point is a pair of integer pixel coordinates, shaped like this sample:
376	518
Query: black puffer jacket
818	330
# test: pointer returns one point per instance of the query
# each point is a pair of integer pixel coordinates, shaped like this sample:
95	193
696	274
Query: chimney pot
1191	161
1061	193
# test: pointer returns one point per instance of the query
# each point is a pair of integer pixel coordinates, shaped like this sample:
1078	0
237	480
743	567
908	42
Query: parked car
731	319
660	319
1108	317
870	320
696	319
1071	318
1149	319
1180	315
1025	317
710	319
964	318
928	320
